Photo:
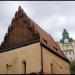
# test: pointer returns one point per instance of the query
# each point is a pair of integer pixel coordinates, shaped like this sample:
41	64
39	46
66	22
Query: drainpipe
41	60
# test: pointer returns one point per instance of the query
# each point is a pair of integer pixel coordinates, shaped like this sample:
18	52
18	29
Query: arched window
24	62
51	68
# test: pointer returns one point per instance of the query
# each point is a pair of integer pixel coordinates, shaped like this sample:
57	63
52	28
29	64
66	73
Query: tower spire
66	37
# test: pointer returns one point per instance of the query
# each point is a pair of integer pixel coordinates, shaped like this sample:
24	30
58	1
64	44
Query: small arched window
24	62
51	65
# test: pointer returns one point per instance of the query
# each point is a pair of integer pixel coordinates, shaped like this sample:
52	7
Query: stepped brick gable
20	30
23	30
28	49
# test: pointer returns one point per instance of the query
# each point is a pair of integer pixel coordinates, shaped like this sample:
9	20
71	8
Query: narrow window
7	68
51	68
73	52
65	52
70	59
69	52
24	62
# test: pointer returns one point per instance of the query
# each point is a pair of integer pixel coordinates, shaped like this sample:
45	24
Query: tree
72	67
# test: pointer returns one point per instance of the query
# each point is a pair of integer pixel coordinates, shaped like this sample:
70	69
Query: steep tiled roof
48	41
17	35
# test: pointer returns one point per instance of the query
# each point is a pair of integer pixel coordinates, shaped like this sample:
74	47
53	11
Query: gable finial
19	8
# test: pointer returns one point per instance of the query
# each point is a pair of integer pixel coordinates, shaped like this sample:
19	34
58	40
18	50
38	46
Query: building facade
28	49
67	45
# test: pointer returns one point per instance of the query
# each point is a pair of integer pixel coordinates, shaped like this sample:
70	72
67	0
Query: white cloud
52	16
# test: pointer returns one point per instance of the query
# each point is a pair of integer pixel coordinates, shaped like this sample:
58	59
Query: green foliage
72	67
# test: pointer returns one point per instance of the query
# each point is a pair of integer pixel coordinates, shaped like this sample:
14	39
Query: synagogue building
28	49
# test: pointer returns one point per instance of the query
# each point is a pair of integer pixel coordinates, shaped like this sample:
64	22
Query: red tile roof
32	29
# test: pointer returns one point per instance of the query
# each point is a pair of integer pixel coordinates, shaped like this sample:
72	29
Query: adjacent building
67	45
28	49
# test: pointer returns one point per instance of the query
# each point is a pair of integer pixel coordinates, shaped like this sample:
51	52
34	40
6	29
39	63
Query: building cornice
26	43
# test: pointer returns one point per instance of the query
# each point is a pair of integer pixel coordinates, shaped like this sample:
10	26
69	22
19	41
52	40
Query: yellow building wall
59	66
31	54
